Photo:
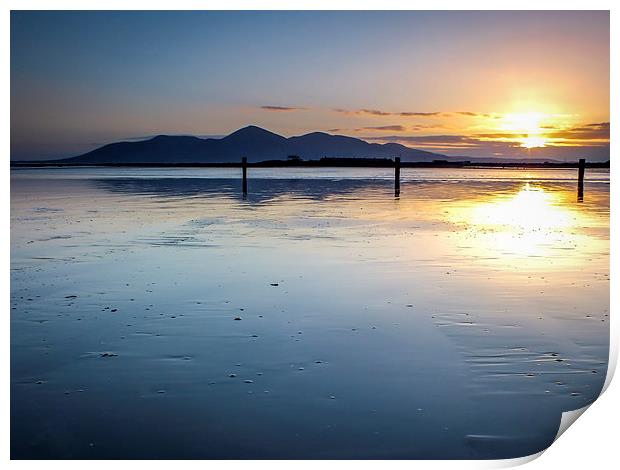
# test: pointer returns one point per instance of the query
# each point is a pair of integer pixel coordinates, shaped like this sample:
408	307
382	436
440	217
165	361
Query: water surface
159	314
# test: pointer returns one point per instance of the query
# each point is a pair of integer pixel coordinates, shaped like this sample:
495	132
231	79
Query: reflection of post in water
397	177
244	168
582	169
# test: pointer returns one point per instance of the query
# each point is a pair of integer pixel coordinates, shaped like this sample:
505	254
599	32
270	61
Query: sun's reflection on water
529	226
530	209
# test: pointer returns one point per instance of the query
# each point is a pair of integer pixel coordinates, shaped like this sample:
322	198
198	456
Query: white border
591	443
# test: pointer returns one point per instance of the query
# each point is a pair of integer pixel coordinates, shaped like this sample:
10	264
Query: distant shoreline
332	163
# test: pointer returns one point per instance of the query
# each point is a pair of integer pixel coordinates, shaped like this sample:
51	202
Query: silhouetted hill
252	142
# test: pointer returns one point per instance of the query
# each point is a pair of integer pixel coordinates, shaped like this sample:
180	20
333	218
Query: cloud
411	113
373	112
473	114
383	128
599	125
596	131
472	146
589	140
502	135
442	142
281	108
592	134
378	112
420	127
394	128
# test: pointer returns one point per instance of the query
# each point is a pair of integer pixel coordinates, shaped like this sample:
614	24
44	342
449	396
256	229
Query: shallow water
457	321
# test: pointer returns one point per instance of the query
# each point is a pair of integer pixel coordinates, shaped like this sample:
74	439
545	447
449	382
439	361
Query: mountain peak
168	137
316	133
252	132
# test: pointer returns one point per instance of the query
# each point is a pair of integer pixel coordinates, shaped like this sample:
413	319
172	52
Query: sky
487	84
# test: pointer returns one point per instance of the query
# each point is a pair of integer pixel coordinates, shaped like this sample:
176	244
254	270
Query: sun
527	127
531	142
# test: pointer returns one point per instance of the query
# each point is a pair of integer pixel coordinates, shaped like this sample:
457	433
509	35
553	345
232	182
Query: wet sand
158	314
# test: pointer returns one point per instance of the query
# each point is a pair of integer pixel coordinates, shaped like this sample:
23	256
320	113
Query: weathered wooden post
582	170
244	168
397	177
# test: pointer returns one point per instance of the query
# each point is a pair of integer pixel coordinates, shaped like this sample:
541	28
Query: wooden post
582	170
397	177
244	168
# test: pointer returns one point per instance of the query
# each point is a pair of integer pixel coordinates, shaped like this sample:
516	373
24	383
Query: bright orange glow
531	210
528	125
524	228
530	142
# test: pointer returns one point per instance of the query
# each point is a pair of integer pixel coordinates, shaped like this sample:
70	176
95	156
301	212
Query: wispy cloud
597	130
599	125
462	145
393	128
473	114
282	108
592	134
379	112
430	141
419	114
384	113
588	137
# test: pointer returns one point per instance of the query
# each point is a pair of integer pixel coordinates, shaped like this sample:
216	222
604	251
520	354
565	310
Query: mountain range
253	142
